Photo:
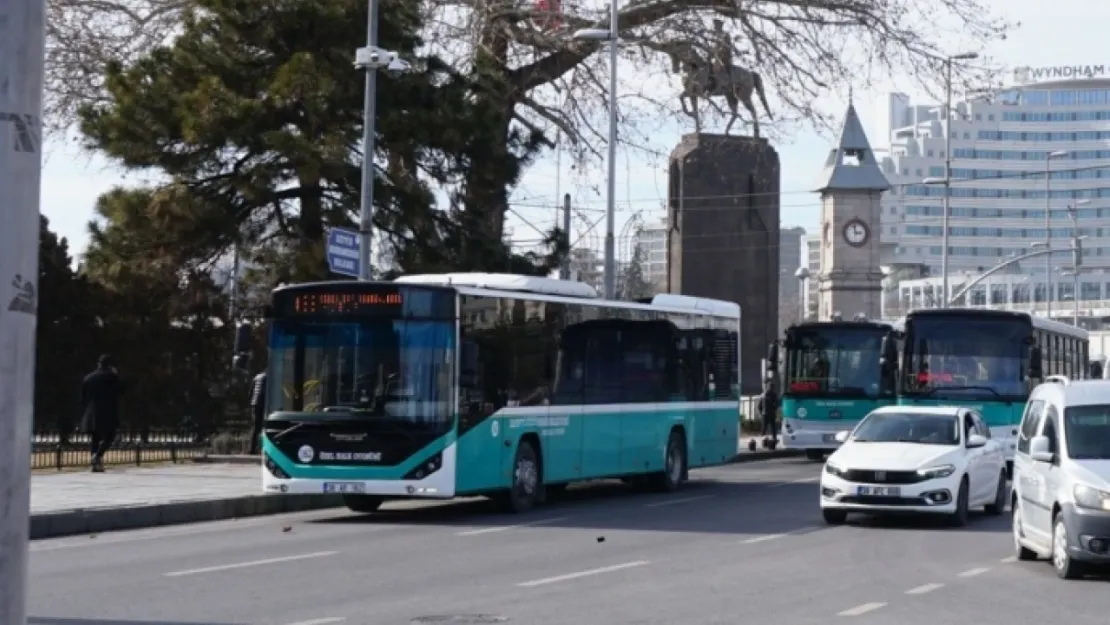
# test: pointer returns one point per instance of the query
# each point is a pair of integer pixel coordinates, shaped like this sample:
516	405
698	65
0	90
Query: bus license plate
879	491
344	487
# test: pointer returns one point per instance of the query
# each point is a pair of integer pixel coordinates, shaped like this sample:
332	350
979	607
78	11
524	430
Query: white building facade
1032	149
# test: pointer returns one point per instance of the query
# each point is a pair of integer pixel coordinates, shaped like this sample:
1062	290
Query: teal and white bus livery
988	360
485	384
833	374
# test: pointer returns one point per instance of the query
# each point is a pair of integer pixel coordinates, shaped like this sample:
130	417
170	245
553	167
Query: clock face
856	233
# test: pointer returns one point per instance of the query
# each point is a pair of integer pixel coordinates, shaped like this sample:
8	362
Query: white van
1061	483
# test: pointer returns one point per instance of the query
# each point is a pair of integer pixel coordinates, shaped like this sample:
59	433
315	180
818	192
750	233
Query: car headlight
932	473
1093	498
833	469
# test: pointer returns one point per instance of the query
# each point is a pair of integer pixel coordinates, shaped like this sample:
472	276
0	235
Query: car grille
881	477
884	501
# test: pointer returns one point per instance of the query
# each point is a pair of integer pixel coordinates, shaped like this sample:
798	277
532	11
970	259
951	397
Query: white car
917	460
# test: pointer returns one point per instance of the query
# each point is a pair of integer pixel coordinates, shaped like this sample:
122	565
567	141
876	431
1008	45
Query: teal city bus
486	384
833	374
988	360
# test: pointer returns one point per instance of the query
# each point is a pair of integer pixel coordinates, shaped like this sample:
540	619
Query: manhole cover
461	618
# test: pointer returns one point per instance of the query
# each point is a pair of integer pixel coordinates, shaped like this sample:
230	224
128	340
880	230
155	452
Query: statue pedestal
723	212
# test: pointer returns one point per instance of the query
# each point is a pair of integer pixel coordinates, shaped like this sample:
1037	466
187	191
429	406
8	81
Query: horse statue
703	79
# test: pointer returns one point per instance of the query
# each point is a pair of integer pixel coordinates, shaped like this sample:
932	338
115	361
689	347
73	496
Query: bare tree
85	36
802	50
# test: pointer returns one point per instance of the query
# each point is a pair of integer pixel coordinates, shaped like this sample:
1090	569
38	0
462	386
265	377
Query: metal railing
51	450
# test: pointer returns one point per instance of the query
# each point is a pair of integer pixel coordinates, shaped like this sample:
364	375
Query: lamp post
946	209
371	59
1076	257
802	274
612	35
948	61
1048	227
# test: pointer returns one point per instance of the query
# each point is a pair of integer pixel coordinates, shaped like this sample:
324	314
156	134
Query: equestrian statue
716	76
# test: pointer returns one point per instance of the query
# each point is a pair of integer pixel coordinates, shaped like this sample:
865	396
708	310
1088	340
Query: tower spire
851	165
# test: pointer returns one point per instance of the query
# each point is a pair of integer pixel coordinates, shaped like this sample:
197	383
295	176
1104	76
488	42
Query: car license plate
344	487
879	491
829	438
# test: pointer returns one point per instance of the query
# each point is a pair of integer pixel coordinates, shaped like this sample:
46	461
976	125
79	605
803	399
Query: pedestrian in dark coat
100	394
769	412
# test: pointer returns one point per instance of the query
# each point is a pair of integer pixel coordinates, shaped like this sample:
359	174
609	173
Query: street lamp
371	58
1048	224
612	35
947	181
802	274
966	56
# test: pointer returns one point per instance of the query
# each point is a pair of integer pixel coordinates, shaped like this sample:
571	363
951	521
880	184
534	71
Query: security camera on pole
371	59
22	37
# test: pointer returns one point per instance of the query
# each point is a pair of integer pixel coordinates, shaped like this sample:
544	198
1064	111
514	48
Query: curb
756	456
229	459
96	520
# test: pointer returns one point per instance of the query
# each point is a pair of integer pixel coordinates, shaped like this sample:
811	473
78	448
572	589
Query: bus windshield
964	357
833	361
372	368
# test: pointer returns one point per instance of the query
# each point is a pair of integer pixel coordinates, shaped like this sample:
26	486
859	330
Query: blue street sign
343	248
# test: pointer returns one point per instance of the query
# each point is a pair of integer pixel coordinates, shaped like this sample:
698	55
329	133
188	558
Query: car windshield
833	361
1087	429
904	427
373	368
965	357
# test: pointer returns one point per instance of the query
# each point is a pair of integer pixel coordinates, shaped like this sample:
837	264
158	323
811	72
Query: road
743	543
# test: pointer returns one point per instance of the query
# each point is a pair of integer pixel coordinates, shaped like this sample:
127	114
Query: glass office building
1040	145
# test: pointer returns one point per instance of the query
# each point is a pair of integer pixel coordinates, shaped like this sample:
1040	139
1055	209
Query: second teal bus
988	360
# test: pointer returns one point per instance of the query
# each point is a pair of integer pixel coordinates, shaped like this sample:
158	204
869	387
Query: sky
1062	32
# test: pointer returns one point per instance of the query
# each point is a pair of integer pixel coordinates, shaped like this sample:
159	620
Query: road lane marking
861	609
322	621
920	590
243	565
1009	560
503	528
760	539
973	572
674	502
804	480
569	576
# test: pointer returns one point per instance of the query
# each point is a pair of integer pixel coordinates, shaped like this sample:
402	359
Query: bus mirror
888	353
1036	368
468	357
772	357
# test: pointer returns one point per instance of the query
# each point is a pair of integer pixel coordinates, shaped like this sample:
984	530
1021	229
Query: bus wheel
363	504
674	464
525	490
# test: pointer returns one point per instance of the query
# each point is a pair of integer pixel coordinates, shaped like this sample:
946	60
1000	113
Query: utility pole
22	47
564	270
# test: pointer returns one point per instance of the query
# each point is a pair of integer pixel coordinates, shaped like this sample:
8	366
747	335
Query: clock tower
851	185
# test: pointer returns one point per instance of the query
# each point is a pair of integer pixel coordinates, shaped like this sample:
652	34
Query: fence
50	450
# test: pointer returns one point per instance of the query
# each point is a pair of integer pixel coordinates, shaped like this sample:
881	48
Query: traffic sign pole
22	39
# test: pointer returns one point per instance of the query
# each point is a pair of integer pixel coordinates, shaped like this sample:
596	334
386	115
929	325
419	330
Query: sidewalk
64	504
70	503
